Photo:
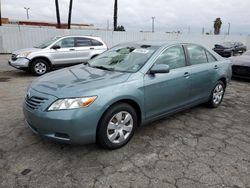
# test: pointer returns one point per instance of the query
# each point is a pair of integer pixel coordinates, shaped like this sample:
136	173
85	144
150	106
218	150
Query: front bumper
20	63
76	126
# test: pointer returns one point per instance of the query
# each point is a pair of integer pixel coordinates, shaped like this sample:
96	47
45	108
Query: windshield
227	44
47	43
124	58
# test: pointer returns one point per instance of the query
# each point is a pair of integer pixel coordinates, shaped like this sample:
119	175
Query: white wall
17	37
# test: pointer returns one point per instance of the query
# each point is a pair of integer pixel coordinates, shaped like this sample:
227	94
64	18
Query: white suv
57	52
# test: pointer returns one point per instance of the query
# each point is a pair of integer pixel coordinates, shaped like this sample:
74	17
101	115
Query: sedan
241	65
128	86
229	49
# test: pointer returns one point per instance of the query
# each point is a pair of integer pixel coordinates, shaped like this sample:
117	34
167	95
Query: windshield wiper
103	68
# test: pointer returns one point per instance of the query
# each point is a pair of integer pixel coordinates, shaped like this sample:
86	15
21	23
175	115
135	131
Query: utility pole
57	14
228	30
70	9
0	14
27	12
115	15
153	24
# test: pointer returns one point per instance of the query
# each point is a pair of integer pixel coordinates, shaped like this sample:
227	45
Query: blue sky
171	15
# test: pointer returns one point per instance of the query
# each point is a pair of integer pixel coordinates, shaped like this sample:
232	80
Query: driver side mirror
55	47
159	68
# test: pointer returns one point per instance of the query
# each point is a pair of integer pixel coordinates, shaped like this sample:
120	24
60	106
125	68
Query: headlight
72	103
25	54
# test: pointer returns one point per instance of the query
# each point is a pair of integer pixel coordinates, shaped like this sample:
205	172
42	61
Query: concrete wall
17	37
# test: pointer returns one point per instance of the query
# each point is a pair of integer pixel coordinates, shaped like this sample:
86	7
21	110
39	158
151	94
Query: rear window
96	42
197	55
80	42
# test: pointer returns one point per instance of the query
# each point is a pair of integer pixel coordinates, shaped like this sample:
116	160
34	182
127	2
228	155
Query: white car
57	52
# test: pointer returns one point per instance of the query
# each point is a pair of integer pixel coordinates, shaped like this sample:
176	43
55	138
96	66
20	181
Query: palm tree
217	26
58	14
70	9
115	15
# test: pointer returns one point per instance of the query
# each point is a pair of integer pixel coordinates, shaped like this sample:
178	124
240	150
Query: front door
165	92
66	54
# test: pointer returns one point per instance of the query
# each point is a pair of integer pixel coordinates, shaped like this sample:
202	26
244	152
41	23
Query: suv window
81	41
197	54
96	42
174	57
66	42
210	57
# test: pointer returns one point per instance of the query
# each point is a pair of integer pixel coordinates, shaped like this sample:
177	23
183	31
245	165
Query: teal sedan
129	85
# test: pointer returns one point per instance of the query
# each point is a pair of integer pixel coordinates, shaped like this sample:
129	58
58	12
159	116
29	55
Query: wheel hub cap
218	94
120	127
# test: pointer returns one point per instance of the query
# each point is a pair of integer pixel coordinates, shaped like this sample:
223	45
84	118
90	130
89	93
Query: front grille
241	70
34	102
13	57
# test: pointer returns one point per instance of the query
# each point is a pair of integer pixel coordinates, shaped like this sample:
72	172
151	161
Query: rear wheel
217	95
117	126
39	67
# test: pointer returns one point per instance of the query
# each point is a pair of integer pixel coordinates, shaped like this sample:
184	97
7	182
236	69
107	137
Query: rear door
83	49
202	67
66	54
167	91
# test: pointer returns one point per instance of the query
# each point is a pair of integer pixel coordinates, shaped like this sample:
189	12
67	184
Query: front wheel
39	67
217	95
117	126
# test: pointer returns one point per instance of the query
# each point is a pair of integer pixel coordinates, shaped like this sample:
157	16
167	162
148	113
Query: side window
81	42
210	57
197	55
96	43
66	42
174	57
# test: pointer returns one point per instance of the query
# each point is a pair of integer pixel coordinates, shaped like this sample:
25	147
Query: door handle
91	48
72	49
215	66
186	74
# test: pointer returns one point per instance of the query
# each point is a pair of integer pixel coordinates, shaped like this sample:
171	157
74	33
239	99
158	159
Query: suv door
168	91
203	69
66	53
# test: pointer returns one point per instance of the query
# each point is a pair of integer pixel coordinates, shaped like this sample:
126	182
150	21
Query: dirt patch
4	79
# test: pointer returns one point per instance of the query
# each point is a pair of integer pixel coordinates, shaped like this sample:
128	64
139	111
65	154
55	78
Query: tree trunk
57	15
70	9
115	15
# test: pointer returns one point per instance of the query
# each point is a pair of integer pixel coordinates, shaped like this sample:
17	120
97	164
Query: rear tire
217	94
39	67
117	126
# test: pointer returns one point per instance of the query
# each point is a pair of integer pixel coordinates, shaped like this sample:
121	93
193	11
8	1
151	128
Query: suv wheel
117	126
39	67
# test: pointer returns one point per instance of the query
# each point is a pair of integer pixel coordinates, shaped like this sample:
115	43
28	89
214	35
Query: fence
17	37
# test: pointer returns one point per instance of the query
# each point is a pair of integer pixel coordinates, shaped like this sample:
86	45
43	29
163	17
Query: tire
39	67
112	132
217	94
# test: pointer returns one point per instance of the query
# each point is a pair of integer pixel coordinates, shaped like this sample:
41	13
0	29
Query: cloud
136	15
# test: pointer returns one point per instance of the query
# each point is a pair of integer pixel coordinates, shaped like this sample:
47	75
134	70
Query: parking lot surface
200	147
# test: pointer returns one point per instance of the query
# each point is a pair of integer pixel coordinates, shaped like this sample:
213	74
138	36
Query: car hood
26	50
243	60
77	80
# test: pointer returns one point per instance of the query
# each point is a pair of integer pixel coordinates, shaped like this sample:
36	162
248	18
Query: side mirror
55	47
159	68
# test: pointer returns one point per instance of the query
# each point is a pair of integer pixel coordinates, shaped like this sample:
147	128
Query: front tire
117	126
39	67
217	94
